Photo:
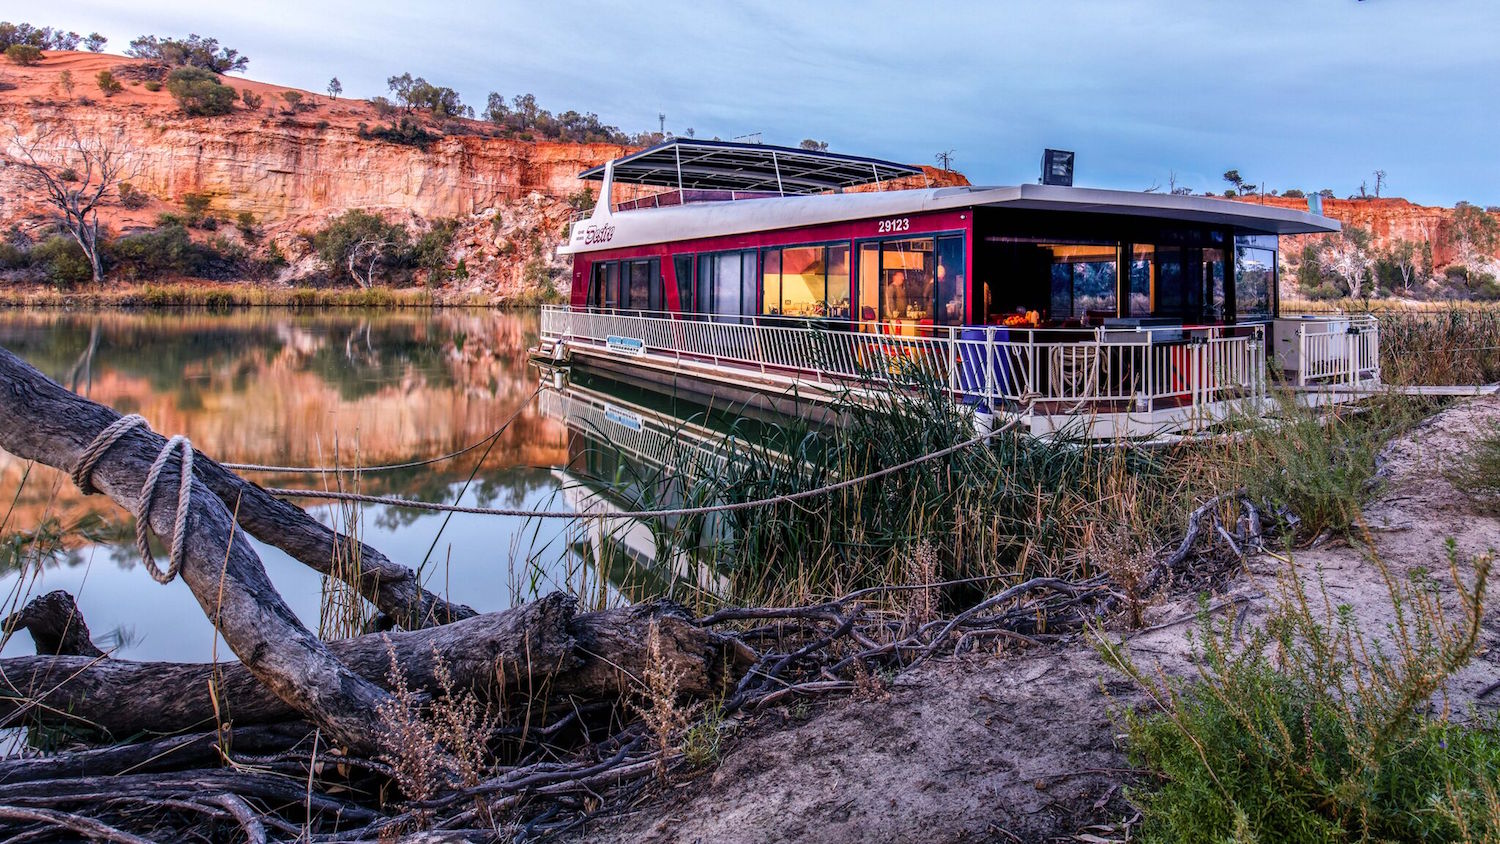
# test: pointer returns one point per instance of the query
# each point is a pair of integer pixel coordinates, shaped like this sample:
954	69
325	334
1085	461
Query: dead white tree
73	173
1347	255
368	252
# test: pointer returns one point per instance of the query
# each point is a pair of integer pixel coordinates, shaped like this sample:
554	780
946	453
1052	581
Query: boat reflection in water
631	450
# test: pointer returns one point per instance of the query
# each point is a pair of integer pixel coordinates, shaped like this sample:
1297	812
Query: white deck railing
1337	351
1177	375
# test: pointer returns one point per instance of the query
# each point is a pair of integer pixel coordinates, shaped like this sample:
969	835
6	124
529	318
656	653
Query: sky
1307	94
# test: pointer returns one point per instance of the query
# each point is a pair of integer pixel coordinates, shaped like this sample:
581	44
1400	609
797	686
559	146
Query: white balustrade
1192	374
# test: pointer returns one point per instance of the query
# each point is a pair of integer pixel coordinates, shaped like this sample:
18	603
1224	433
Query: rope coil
83	476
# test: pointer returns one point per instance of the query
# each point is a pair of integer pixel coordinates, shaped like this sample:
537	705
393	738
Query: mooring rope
416	504
83	476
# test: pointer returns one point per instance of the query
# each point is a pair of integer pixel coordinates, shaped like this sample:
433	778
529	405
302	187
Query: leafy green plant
24	55
108	84
1310	730
199	93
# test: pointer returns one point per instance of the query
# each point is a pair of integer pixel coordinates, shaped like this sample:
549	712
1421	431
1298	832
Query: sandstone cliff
294	171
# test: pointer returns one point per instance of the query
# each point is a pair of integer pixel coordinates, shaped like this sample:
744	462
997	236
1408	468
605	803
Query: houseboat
784	277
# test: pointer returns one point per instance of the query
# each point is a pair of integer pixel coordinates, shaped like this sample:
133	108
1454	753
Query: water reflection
280	387
288	388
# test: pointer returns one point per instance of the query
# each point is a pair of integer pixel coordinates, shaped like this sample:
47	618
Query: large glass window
1213	284
806	281
838	281
612	284
907	268
630	285
1083	281
727	283
951	283
1142	279
869	282
1254	281
683	266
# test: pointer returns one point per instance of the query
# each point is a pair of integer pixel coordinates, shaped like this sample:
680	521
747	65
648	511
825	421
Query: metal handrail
1108	372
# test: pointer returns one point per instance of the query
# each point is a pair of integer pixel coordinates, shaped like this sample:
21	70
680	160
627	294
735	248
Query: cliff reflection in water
280	387
283	387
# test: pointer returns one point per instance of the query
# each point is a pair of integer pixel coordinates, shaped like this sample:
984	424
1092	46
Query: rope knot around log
83	473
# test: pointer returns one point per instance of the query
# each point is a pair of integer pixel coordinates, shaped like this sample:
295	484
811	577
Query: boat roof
725	165
641	227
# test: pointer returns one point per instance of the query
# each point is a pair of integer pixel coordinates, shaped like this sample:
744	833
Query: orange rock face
1388	220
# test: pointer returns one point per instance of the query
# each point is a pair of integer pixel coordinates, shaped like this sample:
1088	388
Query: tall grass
1012	507
1459	345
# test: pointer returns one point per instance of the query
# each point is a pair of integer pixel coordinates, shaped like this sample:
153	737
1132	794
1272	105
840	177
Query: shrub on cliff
150	254
199	93
23	54
407	132
192	51
108	84
362	245
62	260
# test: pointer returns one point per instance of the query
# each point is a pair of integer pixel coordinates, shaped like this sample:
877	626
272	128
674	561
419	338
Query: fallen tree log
393	588
544	647
52	426
55	624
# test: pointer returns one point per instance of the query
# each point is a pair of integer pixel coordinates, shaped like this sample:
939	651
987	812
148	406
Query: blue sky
1307	94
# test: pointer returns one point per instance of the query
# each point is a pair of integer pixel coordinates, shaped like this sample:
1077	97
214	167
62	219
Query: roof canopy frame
718	165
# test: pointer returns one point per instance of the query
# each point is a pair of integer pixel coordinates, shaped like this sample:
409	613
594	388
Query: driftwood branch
52	426
55	624
544	645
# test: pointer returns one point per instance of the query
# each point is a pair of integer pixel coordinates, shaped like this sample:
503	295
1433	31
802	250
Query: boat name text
598	234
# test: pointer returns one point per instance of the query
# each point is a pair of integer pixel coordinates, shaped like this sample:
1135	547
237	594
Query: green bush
161	251
24	55
199	93
251	99
1308	732
407	132
152	85
196	205
430	250
245	222
108	84
63	261
368	239
132	198
1319	466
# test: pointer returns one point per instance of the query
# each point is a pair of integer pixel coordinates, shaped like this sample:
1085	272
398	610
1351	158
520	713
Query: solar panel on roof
721	165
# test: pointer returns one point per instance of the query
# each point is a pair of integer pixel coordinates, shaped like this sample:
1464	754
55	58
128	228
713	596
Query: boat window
1142	279
806	281
906	280
1254	281
1213	283
612	284
869	282
770	290
597	280
838	280
683	266
727	284
1173	297
950	280
1083	281
640	286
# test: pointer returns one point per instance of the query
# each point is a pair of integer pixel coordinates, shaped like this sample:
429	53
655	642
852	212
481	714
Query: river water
295	388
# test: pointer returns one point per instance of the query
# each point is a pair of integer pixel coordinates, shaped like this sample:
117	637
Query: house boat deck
1099	313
